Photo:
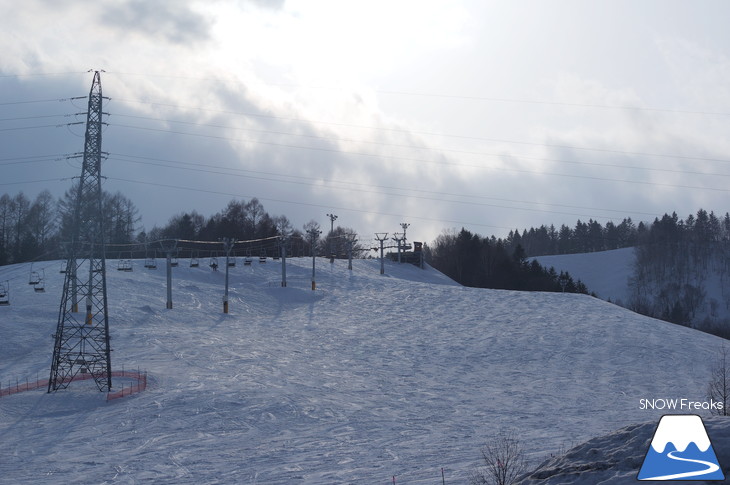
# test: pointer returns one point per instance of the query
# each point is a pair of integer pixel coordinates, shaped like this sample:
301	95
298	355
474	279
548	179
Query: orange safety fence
139	386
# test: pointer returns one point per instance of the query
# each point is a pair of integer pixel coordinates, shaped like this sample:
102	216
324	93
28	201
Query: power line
463	97
39	74
317	180
35	101
429	133
558	103
468	152
229	194
32	159
350	189
450	164
40	126
34	181
64	115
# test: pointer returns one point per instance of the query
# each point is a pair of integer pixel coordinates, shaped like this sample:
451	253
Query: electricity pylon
82	342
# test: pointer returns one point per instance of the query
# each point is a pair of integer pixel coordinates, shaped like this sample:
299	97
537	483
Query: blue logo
680	450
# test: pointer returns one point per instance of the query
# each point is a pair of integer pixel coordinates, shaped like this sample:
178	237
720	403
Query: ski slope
366	378
606	273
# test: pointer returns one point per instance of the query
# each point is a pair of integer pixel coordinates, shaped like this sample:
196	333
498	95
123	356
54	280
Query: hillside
367	378
606	273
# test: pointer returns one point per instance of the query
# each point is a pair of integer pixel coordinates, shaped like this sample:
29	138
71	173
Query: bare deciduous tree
718	389
502	462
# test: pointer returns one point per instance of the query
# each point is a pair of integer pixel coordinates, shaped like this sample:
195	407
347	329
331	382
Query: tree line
676	261
34	229
585	237
475	261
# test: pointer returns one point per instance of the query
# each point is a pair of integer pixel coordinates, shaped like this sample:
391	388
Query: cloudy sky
485	114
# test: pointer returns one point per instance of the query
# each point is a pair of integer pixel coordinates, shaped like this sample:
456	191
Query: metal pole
225	293
74	285
169	280
314	284
313	233
398	243
350	243
283	262
331	242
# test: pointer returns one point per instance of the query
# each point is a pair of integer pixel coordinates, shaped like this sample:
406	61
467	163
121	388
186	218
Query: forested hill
591	236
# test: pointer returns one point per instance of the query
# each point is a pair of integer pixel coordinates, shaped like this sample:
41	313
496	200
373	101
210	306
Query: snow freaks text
680	404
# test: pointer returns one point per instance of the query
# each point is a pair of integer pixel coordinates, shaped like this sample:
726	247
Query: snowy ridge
367	378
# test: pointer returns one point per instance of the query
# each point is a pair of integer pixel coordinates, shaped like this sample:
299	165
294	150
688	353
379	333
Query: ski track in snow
365	378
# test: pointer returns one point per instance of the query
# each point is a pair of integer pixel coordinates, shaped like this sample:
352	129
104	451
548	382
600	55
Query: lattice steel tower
82	340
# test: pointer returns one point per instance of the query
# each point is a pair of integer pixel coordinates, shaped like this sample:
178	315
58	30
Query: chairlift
5	293
40	286
64	265
275	257
232	261
150	263
262	257
174	262
124	264
248	259
34	277
213	263
194	262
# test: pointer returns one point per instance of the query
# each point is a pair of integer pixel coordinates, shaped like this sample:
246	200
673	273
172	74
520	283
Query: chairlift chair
174	262
150	263
232	261
194	262
275	257
262	257
64	265
5	293
248	259
40	286
213	263
34	277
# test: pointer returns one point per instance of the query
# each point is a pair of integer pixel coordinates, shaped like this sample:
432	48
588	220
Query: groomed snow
367	378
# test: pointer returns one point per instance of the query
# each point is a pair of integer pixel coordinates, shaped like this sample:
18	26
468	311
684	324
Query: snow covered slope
367	378
606	273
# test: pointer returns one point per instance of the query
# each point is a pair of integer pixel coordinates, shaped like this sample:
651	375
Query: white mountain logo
680	450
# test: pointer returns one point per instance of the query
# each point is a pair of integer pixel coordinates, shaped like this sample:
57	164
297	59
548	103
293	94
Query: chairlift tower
333	218
381	237
82	342
313	235
405	226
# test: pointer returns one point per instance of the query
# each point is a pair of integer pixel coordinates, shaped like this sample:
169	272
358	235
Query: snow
606	273
366	378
